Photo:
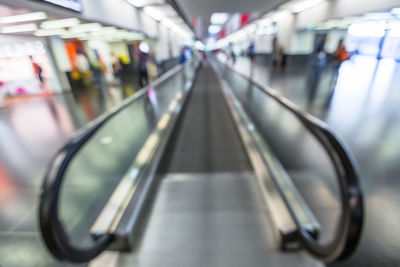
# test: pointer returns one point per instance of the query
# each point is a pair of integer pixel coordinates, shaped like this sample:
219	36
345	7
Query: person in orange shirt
341	53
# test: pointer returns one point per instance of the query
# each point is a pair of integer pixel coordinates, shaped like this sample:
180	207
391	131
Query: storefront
43	52
26	67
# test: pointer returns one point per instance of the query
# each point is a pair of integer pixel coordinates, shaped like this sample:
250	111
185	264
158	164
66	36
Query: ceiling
204	8
207	7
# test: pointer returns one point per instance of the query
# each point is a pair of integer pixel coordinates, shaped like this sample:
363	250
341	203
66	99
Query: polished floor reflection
360	102
31	131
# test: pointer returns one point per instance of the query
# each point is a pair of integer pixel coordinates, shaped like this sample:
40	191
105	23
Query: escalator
180	175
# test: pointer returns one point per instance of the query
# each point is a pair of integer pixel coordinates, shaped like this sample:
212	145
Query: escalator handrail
350	225
52	229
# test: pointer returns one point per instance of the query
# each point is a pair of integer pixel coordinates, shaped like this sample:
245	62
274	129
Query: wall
302	43
263	44
116	12
164	45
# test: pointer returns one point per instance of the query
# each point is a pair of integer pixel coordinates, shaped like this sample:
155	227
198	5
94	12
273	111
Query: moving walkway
204	167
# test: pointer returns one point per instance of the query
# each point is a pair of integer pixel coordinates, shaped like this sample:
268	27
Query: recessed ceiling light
219	18
214	29
61	23
19	28
24	17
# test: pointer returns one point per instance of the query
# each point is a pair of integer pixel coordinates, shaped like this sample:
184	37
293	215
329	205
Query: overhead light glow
378	16
199	45
183	32
144	47
299	6
250	28
19	28
42	32
71	35
395	11
109	29
367	29
394	29
24	17
142	3
159	12
279	15
153	12
61	23
264	22
88	27
219	18
214	29
168	23
133	36
266	30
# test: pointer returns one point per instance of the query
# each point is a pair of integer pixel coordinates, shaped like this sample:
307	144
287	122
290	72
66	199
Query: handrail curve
349	228
52	229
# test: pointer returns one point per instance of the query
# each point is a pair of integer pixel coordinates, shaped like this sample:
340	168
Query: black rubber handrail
52	229
349	228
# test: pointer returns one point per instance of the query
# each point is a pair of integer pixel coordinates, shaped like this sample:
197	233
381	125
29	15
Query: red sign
244	19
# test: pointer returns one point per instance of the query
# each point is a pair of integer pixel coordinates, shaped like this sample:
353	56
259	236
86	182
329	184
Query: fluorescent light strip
19	28
142	3
214	29
395	11
168	23
153	13
42	33
88	27
219	18
62	23
299	7
24	17
280	15
71	35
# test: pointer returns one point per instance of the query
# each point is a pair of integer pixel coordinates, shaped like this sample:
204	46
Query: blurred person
1	94
320	52
98	68
340	54
182	56
152	67
277	56
339	57
38	70
117	66
251	52
321	45
231	53
142	58
318	58
188	53
82	62
82	65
